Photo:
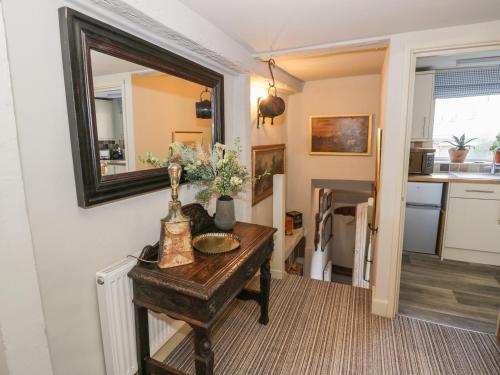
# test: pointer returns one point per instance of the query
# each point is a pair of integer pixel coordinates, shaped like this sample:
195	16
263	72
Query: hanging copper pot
204	106
272	105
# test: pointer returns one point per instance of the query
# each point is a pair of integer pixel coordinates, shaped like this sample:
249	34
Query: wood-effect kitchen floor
459	294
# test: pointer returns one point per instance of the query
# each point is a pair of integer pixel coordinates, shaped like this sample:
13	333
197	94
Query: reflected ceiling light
272	105
204	106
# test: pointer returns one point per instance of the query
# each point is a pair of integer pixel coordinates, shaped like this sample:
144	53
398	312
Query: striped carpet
317	327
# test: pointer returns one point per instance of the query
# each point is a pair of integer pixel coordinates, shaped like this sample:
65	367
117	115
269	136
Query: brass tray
216	243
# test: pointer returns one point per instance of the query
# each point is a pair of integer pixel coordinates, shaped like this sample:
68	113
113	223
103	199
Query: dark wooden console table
199	292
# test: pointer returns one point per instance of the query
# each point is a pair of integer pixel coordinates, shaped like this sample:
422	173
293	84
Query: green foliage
495	144
460	143
217	172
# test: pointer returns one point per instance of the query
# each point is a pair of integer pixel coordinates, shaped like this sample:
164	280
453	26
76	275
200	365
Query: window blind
464	83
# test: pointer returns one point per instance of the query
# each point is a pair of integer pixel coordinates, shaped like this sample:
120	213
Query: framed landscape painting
340	135
187	138
271	159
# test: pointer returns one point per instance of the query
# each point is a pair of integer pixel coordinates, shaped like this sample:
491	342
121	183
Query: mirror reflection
141	110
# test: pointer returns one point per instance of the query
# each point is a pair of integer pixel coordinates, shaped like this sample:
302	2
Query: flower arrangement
217	172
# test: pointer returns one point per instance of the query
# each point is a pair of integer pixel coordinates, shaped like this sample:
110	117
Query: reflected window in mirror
141	110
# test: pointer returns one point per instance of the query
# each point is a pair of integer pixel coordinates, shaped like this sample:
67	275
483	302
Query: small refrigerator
423	208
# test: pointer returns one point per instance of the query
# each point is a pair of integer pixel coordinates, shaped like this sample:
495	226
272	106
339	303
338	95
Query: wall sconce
272	105
204	107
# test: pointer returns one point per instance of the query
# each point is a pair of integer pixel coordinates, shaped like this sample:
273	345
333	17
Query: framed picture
329	200
187	138
270	158
340	135
326	232
321	205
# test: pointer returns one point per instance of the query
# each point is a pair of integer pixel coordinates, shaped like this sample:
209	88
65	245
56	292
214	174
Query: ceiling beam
344	46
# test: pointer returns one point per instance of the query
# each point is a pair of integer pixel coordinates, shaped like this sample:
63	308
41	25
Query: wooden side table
199	292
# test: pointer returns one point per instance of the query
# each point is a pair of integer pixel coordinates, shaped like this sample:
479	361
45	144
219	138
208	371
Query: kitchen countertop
462	177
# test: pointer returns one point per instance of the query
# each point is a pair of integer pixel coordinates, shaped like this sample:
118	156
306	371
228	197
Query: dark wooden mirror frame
80	34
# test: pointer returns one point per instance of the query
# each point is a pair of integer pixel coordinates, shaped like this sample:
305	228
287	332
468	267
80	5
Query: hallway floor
449	292
319	327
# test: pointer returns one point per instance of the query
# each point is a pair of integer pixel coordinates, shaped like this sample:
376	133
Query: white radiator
116	311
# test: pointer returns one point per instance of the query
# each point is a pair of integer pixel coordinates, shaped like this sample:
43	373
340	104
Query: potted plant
460	148
495	148
216	173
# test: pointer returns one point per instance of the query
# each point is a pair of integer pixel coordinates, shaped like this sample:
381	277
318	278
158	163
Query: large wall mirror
127	97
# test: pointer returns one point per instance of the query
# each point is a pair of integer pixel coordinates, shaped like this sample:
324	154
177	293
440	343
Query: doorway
450	269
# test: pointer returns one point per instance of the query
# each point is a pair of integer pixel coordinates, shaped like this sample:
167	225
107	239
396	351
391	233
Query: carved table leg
265	286
203	354
141	338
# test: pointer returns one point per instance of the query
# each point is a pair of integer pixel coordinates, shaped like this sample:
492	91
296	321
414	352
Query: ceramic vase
457	156
224	213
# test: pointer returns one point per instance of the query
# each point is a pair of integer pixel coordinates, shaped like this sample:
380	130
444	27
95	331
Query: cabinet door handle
479	191
425	127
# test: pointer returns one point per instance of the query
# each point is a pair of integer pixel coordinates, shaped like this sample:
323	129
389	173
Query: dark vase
224	213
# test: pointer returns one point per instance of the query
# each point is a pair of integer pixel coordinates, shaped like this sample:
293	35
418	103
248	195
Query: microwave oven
421	160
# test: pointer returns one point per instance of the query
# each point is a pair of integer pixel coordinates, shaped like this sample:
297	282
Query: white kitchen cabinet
472	231
423	107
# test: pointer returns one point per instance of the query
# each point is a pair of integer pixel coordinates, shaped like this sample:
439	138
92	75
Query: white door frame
407	109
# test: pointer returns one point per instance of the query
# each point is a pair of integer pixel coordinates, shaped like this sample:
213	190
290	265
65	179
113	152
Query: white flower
236	181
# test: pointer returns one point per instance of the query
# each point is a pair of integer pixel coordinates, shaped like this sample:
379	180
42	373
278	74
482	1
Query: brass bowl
216	243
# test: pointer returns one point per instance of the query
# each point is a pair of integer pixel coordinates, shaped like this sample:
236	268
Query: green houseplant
460	148
495	148
217	172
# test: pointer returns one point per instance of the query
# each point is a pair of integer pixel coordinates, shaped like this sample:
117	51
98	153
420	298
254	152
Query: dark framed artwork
270	159
329	200
340	135
326	232
321	205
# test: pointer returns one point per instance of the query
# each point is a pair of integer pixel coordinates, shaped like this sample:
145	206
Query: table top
208	272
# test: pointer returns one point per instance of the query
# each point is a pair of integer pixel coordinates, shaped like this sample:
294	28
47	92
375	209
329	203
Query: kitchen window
467	102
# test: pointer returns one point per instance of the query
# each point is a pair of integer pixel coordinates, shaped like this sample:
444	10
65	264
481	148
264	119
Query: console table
199	292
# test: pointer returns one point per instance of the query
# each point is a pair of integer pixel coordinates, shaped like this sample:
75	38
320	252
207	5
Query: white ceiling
103	64
333	65
265	25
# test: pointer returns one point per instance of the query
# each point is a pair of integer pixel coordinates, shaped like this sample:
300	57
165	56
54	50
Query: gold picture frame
349	135
270	158
187	138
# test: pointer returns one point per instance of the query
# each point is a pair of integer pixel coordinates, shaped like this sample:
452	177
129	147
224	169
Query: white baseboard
276	274
472	256
380	307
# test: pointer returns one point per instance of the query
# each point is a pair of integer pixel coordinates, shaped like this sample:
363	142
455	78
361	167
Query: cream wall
23	342
348	95
70	244
163	104
262	212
